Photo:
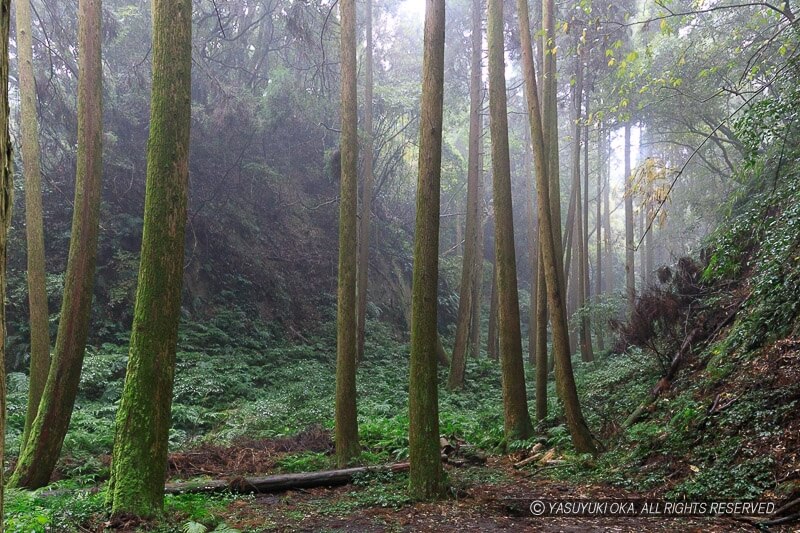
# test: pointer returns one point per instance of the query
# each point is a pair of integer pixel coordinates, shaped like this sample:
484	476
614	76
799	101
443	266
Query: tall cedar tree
470	264
477	270
366	192
346	423
630	273
581	281
533	245
550	125
34	223
599	234
586	253
608	255
143	419
581	437
6	192
517	421
38	458
425	474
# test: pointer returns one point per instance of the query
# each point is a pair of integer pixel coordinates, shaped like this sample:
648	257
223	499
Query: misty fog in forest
400	265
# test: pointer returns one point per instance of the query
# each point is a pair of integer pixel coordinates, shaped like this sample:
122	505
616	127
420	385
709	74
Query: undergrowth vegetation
717	432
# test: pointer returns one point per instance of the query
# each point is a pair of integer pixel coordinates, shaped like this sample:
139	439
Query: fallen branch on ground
283	482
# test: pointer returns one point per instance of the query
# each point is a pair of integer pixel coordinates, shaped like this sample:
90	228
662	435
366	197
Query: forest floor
486	494
494	496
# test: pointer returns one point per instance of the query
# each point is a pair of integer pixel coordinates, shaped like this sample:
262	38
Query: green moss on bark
34	223
43	447
6	191
425	475
346	425
143	420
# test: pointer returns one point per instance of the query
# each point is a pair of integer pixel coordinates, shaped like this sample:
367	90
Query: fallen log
266	484
280	482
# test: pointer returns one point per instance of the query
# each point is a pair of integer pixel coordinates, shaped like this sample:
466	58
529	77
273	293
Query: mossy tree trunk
6	195
517	421
581	437
346	423
143	420
366	192
468	279
38	458
425	475
34	223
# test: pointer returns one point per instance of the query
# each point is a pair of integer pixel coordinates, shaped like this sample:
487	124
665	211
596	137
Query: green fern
194	527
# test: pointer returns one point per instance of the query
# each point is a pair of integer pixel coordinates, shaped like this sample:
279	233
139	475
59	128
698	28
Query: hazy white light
412	9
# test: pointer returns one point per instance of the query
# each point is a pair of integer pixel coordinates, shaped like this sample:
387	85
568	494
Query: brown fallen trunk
266	484
281	482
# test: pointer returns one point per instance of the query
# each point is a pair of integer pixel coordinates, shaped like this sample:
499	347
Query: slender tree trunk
46	436
598	276
610	285
346	424
571	267
143	419
577	293
366	193
649	252
630	271
515	403
542	366
492	348
550	131
34	223
581	437
533	250
466	293
587	351
6	196
425	475
586	254
477	272
573	283
569	233
642	252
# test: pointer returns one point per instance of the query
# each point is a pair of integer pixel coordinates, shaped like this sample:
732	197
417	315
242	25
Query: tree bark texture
425	475
143	420
34	222
47	432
